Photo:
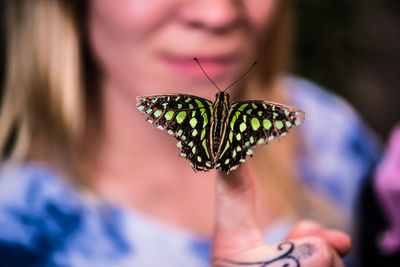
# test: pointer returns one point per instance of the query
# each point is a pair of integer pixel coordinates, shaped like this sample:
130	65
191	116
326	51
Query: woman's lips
215	66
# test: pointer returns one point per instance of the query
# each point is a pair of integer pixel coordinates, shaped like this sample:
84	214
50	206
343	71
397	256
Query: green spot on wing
255	124
226	148
203	134
199	104
267	124
242	127
181	116
205	119
233	168
157	113
286	112
242	107
169	115
279	125
195	132
140	107
193	122
205	148
234	120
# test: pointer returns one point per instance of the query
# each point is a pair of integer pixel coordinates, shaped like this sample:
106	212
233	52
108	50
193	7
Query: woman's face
148	46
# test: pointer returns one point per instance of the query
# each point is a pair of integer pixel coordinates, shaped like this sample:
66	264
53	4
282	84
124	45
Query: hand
238	240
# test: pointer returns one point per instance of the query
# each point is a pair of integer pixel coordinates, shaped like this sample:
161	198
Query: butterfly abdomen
221	108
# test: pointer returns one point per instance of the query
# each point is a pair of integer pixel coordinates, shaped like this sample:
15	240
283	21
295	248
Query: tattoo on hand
291	257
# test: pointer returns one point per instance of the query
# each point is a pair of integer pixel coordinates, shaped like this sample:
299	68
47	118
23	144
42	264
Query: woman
88	181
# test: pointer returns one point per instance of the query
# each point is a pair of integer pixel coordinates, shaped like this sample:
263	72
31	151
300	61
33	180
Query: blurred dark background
352	47
348	46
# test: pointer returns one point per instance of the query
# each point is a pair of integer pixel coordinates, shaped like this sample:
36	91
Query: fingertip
305	228
339	240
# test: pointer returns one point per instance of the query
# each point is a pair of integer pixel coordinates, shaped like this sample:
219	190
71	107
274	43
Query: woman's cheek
130	18
260	14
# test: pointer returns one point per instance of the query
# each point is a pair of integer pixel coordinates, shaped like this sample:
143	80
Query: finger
305	228
310	251
315	251
340	241
235	229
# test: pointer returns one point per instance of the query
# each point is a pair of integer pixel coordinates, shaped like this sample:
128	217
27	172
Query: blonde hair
43	97
44	106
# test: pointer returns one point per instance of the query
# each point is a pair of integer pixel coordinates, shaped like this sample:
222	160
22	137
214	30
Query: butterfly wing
251	123
187	118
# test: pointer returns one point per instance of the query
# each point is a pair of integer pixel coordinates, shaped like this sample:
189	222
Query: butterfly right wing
252	123
187	118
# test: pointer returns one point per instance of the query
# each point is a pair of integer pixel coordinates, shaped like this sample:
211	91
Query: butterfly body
218	134
221	108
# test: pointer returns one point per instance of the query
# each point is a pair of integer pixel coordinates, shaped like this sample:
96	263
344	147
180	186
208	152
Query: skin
147	47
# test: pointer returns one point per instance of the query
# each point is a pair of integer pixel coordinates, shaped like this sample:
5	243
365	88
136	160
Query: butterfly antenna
206	74
244	74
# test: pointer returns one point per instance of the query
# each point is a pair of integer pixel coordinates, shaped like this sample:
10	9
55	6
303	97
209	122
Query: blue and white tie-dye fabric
339	151
46	222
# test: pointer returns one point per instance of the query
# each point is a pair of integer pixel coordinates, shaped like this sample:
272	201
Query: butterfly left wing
251	123
187	118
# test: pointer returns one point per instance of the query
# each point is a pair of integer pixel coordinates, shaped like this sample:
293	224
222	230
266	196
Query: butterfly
218	134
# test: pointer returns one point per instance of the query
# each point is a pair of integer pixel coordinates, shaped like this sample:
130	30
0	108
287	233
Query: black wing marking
187	118
251	123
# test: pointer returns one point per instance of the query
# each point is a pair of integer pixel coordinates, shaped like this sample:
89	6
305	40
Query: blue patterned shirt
46	222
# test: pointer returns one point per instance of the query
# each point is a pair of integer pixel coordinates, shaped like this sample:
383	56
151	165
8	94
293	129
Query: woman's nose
214	15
